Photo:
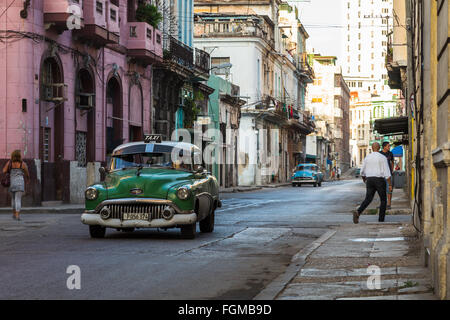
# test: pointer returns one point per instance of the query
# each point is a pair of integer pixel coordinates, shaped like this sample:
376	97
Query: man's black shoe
355	217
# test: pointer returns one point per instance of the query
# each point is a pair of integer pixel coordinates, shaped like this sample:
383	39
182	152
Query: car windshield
149	160
306	168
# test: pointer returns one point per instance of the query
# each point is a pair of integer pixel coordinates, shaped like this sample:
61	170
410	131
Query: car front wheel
97	231
207	224
188	231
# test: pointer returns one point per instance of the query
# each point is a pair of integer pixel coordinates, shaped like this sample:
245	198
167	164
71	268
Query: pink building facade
68	95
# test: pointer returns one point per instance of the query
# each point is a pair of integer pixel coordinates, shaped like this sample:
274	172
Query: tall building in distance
368	25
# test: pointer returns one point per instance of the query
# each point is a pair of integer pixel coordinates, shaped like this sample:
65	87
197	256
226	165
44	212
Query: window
372	66
113	14
359	68
217	61
372	55
359	36
384	43
46	145
149	33
80	148
359	46
99	7
133	33
360	84
359	57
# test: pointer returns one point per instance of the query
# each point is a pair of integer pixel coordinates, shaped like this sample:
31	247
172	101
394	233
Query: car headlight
91	193
183	193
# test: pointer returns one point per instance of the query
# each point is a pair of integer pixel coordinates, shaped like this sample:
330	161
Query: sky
324	21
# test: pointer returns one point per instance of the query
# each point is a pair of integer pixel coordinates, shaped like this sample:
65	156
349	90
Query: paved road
255	236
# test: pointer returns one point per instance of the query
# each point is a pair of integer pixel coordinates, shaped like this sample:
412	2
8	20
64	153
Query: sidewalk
253	188
336	266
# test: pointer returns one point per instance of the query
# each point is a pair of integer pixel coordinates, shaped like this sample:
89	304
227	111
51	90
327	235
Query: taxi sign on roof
152	138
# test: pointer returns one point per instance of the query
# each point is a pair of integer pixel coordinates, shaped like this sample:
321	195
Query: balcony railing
239	27
202	60
180	53
303	64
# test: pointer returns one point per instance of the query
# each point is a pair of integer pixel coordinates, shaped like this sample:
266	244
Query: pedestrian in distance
18	171
374	172
339	173
390	158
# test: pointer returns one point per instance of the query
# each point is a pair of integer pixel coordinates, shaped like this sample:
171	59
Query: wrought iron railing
180	53
202	60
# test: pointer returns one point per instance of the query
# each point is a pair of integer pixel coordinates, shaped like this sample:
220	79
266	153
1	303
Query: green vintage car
153	185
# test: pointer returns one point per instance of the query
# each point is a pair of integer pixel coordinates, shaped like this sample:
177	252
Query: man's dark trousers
379	185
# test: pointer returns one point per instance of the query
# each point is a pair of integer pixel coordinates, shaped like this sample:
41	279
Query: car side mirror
199	169
102	170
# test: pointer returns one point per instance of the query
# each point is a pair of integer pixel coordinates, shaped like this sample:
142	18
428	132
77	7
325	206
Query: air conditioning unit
85	101
54	92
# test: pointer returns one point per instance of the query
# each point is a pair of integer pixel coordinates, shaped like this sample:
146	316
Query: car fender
204	204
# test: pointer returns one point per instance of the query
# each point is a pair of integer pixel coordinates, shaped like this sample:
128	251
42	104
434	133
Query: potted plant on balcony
148	13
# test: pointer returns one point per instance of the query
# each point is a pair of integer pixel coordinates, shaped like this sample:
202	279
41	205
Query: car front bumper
305	181
178	219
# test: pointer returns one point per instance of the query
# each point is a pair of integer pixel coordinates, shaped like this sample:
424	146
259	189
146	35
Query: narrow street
256	235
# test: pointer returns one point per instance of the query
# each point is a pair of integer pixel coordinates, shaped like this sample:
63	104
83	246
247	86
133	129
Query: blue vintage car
307	173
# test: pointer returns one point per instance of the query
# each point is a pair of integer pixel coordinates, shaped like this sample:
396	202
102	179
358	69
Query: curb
271	291
50	210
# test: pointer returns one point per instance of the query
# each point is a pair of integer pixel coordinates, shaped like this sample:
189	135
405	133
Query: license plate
135	216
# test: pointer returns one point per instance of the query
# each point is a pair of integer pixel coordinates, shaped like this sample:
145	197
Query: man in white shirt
374	171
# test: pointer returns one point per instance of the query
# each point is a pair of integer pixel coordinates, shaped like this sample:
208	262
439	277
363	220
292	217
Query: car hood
303	173
154	183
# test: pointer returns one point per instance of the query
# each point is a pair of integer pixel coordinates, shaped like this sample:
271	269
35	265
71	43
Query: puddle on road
378	239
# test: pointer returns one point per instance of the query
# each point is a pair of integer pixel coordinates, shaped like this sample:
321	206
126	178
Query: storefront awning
392	126
311	156
397	151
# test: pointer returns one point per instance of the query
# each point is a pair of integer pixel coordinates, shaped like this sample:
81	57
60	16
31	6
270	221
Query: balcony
179	53
303	67
227	26
112	22
97	13
144	43
58	12
201	65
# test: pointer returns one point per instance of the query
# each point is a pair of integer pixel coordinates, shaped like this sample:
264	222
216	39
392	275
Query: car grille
304	178
154	210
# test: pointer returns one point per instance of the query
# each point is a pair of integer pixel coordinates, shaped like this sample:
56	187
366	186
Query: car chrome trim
127	201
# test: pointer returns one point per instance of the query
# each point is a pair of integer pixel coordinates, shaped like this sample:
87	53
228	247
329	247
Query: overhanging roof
392	126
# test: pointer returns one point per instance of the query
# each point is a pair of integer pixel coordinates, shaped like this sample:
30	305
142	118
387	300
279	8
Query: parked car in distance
145	187
308	173
357	172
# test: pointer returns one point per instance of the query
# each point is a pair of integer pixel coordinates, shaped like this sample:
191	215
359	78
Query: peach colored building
68	95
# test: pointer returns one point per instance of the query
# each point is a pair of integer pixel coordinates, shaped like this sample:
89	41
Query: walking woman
18	171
